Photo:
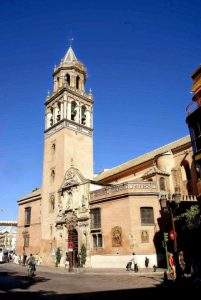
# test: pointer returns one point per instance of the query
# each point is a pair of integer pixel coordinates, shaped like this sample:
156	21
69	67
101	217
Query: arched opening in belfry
67	78
73	110
77	82
83	115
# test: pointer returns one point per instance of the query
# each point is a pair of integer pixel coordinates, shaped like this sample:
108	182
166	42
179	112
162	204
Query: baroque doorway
73	247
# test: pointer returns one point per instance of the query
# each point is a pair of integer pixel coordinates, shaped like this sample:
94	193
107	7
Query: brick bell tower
68	160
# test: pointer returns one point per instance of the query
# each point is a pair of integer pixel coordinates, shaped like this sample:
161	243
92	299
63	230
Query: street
58	282
53	283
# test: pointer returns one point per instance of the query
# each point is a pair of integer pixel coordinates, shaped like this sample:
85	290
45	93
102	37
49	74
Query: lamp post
166	206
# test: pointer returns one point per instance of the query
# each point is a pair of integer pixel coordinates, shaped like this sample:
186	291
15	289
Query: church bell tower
68	157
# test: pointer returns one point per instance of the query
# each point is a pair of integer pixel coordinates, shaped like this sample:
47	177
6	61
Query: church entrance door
73	247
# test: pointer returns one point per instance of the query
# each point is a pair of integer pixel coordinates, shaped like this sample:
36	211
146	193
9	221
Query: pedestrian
67	260
133	260
79	259
172	265
146	262
24	259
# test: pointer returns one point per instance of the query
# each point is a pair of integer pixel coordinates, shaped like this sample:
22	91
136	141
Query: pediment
72	178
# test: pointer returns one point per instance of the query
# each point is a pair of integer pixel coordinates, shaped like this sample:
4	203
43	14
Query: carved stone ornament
153	171
144	236
72	179
71	219
116	236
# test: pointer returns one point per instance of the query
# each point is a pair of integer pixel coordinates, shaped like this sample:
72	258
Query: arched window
73	110
77	82
53	148
162	184
185	170
67	78
52	175
147	215
83	115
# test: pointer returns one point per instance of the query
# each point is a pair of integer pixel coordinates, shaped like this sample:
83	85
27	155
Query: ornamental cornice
70	67
123	195
125	189
65	123
71	91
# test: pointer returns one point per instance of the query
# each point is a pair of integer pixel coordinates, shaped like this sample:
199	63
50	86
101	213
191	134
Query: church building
113	213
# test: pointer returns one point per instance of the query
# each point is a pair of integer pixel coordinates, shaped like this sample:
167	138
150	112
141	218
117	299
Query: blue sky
139	56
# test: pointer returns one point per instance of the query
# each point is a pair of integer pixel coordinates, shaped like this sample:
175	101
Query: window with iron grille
162	184
27	220
26	240
95	218
97	240
147	215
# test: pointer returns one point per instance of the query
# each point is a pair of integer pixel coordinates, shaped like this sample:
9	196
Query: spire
69	56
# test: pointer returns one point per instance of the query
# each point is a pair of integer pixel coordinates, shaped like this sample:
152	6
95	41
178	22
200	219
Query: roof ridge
133	160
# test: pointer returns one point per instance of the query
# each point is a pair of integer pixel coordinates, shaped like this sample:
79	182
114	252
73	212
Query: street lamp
167	202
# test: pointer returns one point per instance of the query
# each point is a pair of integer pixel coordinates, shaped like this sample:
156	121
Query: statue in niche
116	236
60	215
144	236
84	200
69	200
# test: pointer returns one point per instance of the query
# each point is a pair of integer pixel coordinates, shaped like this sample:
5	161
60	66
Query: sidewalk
99	271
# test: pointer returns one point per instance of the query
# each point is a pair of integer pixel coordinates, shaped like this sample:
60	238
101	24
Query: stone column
77	117
88	117
68	110
64	109
48	117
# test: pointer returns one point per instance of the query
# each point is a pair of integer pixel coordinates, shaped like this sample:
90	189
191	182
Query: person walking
24	259
133	260
31	265
146	262
172	265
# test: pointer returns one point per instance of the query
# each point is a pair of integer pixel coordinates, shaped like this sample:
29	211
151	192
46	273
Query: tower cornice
65	123
78	68
73	92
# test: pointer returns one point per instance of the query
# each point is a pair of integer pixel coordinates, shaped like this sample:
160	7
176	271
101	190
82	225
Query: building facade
125	216
63	215
8	232
113	213
193	120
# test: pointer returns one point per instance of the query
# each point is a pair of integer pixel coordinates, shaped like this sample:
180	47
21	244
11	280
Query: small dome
165	161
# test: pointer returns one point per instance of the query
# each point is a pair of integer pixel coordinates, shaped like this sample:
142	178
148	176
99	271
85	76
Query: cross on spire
70	41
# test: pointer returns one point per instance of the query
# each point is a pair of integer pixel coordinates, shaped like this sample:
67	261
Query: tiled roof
142	158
